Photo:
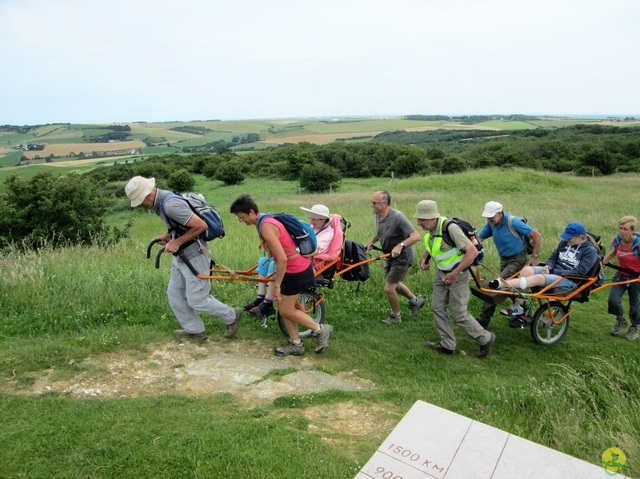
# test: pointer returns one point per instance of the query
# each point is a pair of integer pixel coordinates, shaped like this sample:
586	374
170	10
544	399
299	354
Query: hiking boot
252	304
485	349
440	348
232	328
183	334
322	338
632	334
290	349
392	319
263	310
514	310
621	323
415	307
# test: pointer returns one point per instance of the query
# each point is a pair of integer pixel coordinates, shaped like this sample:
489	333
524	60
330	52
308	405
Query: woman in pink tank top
294	274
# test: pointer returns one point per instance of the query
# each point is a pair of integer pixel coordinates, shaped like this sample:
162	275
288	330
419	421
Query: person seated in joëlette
575	255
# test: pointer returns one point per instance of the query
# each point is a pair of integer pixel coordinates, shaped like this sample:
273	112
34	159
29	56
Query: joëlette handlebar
179	254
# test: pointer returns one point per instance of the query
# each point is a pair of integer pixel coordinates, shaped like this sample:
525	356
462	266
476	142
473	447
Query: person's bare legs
293	317
392	290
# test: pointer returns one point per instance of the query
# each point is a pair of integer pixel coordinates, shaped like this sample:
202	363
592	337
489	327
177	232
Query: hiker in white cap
186	292
508	233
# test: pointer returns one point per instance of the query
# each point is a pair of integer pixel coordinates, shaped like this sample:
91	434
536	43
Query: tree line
72	208
581	149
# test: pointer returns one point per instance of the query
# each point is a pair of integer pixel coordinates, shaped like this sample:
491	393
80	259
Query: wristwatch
402	244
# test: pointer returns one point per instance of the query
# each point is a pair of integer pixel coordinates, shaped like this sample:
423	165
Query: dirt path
246	369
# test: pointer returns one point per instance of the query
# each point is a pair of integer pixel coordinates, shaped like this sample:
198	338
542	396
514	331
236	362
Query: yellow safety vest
445	260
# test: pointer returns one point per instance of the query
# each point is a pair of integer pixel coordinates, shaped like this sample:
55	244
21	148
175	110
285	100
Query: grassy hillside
63	309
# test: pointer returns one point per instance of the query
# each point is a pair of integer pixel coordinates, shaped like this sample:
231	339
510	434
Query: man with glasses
397	236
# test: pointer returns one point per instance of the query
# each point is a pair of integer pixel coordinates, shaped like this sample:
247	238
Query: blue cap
573	229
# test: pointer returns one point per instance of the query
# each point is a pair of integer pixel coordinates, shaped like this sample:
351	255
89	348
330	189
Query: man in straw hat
397	237
450	280
186	292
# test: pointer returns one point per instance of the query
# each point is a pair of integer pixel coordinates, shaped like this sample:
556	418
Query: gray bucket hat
427	210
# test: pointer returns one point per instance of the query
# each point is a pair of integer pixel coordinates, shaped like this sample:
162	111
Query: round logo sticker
614	460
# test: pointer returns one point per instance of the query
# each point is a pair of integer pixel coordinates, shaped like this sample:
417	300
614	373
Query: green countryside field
64	142
90	373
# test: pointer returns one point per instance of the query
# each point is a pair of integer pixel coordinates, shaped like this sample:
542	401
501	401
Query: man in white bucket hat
186	292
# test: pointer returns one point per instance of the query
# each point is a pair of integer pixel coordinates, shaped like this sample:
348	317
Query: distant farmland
65	141
65	149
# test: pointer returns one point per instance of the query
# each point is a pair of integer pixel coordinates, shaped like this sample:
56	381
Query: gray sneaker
415	307
290	349
632	334
322	338
621	323
392	320
232	328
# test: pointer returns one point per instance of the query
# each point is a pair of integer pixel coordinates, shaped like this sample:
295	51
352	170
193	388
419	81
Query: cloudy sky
158	60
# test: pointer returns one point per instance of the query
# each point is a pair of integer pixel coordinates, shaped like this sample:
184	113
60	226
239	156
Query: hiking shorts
296	283
395	272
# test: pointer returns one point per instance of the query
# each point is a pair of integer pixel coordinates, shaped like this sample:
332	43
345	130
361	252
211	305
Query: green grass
10	158
508	125
61	307
12	139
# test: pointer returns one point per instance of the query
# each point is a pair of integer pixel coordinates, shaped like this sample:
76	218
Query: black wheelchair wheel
543	330
312	304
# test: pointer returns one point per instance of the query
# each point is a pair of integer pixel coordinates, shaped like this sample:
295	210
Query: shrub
230	173
55	210
317	178
181	180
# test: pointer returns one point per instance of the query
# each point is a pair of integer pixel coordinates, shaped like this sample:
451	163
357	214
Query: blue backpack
302	233
206	211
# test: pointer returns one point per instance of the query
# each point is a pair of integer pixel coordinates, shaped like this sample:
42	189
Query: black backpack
469	231
599	271
355	253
